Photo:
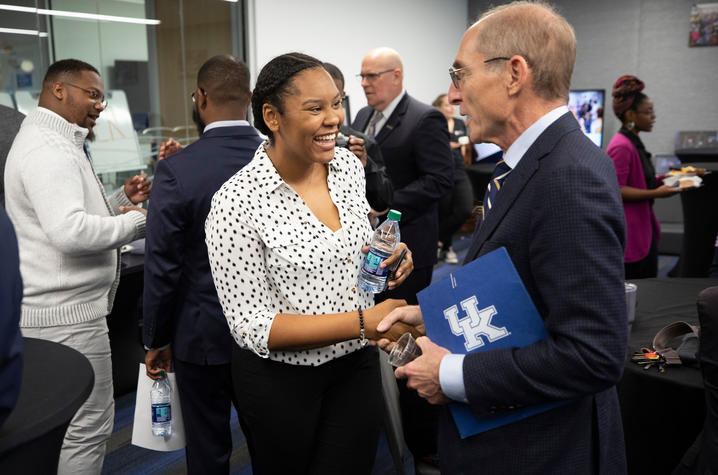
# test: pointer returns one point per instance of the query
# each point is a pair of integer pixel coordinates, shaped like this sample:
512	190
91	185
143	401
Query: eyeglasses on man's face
194	94
371	77
456	74
95	96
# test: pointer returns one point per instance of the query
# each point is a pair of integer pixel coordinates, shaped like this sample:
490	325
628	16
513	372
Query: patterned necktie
370	131
492	189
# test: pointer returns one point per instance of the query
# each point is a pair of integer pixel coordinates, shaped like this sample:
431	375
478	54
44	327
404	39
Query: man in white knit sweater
69	234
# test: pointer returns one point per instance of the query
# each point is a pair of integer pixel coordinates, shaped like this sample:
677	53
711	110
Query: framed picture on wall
704	25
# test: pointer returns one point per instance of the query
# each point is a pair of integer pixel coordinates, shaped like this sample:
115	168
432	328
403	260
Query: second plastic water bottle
372	278
161	406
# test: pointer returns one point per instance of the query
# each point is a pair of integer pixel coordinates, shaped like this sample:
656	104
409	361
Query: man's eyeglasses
456	77
373	76
94	95
194	93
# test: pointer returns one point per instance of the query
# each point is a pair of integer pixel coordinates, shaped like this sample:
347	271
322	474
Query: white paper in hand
142	429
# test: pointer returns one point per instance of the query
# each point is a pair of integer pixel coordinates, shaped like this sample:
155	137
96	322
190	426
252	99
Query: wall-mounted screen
587	106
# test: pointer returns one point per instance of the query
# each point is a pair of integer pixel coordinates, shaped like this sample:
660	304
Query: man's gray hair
535	31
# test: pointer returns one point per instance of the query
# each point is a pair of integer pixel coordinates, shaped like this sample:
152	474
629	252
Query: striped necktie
492	189
371	129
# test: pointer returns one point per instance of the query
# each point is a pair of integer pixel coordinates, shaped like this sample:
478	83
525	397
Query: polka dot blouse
269	254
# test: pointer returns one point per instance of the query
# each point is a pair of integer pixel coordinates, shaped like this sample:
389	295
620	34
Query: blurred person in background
637	177
414	141
184	325
455	206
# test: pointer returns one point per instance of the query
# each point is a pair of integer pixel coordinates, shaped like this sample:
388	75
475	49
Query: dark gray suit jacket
415	145
10	121
559	215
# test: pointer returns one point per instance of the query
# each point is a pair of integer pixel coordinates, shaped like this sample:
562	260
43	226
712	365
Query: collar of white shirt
270	179
387	112
224	123
521	145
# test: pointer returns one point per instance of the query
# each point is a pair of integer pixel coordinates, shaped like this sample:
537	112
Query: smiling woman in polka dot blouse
285	239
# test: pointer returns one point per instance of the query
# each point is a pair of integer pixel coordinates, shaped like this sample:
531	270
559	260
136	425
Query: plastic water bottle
161	406
372	278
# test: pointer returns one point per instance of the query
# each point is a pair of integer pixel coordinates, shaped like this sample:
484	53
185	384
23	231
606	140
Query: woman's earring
630	125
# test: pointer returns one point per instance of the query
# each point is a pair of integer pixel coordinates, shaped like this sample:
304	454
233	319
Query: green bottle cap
163	374
394	214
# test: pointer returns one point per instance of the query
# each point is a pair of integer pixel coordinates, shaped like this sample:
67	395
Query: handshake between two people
421	373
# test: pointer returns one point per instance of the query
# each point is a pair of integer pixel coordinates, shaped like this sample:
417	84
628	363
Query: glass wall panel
148	53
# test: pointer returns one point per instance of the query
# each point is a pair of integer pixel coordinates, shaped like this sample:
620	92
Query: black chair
702	456
56	380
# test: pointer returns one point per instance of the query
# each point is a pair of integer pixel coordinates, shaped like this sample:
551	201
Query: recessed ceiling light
86	16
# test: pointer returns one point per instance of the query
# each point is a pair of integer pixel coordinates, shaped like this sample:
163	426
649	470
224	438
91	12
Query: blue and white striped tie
492	189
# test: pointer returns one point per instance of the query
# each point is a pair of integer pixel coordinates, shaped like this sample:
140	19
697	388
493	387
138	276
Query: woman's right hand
374	315
665	191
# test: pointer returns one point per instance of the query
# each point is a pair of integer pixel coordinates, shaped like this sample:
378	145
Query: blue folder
482	306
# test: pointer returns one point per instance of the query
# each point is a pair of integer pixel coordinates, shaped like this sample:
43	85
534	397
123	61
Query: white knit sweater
69	232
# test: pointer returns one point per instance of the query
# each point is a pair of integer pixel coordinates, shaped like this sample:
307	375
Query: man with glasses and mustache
69	234
414	140
557	210
184	325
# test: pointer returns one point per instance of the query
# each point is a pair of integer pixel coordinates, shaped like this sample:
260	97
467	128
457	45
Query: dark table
125	325
700	225
56	380
662	412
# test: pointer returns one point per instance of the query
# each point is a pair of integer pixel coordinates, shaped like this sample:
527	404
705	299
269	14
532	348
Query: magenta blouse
641	222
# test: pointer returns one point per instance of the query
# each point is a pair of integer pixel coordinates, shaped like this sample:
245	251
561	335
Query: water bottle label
371	265
161	412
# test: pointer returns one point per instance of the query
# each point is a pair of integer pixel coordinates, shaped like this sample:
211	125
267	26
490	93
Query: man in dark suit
10	120
558	213
414	140
183	320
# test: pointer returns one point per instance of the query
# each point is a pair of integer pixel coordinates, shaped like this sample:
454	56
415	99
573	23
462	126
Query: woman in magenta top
637	177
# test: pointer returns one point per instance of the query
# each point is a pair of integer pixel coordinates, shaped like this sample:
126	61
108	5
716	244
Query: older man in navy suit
557	210
183	320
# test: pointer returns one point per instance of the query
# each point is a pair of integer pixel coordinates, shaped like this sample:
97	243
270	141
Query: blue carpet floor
124	458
